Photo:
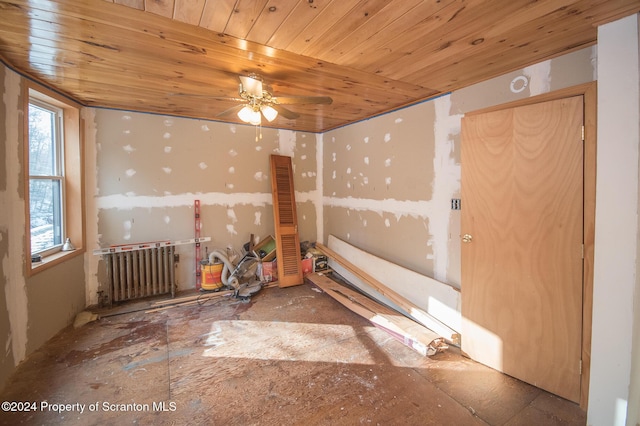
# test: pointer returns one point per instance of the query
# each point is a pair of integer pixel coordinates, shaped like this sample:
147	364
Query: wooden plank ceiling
371	56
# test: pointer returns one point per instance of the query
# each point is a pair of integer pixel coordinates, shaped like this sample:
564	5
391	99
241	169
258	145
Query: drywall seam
539	76
91	185
446	183
286	142
128	202
317	200
15	284
399	208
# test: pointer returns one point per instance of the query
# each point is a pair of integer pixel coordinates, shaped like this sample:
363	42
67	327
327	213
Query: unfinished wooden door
286	222
522	226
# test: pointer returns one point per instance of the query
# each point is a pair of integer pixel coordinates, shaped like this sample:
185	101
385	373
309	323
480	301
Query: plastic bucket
211	276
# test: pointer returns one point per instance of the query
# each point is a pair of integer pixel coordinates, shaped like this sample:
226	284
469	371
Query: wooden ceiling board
275	12
393	43
215	14
379	24
188	11
344	27
244	16
160	7
302	14
371	56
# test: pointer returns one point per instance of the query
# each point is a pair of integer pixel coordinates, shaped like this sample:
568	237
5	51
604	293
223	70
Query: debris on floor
83	318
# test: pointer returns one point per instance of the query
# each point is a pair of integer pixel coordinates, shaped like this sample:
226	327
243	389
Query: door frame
589	93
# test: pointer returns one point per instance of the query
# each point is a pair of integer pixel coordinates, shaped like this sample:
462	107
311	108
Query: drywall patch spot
126	117
398	120
387	137
167	135
126	132
258	148
232	128
168	122
387	180
366	160
167	193
348	170
303	157
348	147
304	174
333	175
259	176
387	162
257	217
349	185
366	139
229	185
334	156
167	149
167	170
204	128
233	152
365	180
232	170
387	222
231	230
127	225
203	165
130	172
167	219
130	194
364	223
128	149
232	215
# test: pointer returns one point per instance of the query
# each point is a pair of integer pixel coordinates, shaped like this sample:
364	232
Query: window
53	176
46	177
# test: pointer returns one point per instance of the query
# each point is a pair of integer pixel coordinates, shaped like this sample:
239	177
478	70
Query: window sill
52	260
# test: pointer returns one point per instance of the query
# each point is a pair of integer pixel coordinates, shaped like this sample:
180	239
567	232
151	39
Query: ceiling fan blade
230	111
291	100
285	112
251	85
215	98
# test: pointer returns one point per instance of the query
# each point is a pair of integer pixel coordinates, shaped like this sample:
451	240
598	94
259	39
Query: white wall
616	239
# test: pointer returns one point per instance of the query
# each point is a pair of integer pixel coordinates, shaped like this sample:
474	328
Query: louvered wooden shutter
286	222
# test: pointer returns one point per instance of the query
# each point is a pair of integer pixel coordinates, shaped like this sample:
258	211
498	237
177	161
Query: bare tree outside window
45	177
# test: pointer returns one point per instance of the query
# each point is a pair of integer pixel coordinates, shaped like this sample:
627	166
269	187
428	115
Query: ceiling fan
258	101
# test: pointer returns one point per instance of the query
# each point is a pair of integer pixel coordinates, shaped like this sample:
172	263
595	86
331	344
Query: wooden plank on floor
410	333
441	300
402	303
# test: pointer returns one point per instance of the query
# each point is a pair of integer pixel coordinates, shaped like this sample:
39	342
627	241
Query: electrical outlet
455	204
176	257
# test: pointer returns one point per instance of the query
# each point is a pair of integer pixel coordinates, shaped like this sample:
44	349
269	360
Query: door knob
466	238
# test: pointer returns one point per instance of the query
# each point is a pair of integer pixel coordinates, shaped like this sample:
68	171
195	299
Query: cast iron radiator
140	273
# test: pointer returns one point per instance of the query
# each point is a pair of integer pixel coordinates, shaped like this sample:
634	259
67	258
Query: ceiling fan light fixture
245	113
269	112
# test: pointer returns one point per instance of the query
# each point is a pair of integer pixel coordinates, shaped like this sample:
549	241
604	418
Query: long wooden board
407	331
386	295
438	299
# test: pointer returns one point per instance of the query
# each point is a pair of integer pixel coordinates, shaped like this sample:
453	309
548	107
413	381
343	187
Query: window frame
59	166
72	175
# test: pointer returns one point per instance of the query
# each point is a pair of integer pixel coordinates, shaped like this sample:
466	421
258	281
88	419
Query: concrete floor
289	357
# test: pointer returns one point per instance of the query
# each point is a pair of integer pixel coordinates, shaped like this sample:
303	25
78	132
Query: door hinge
580	367
582	249
582	133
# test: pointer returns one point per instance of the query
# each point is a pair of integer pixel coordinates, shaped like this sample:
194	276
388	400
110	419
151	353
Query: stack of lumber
407	331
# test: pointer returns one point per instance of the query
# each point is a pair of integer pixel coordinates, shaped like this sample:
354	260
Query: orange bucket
212	276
